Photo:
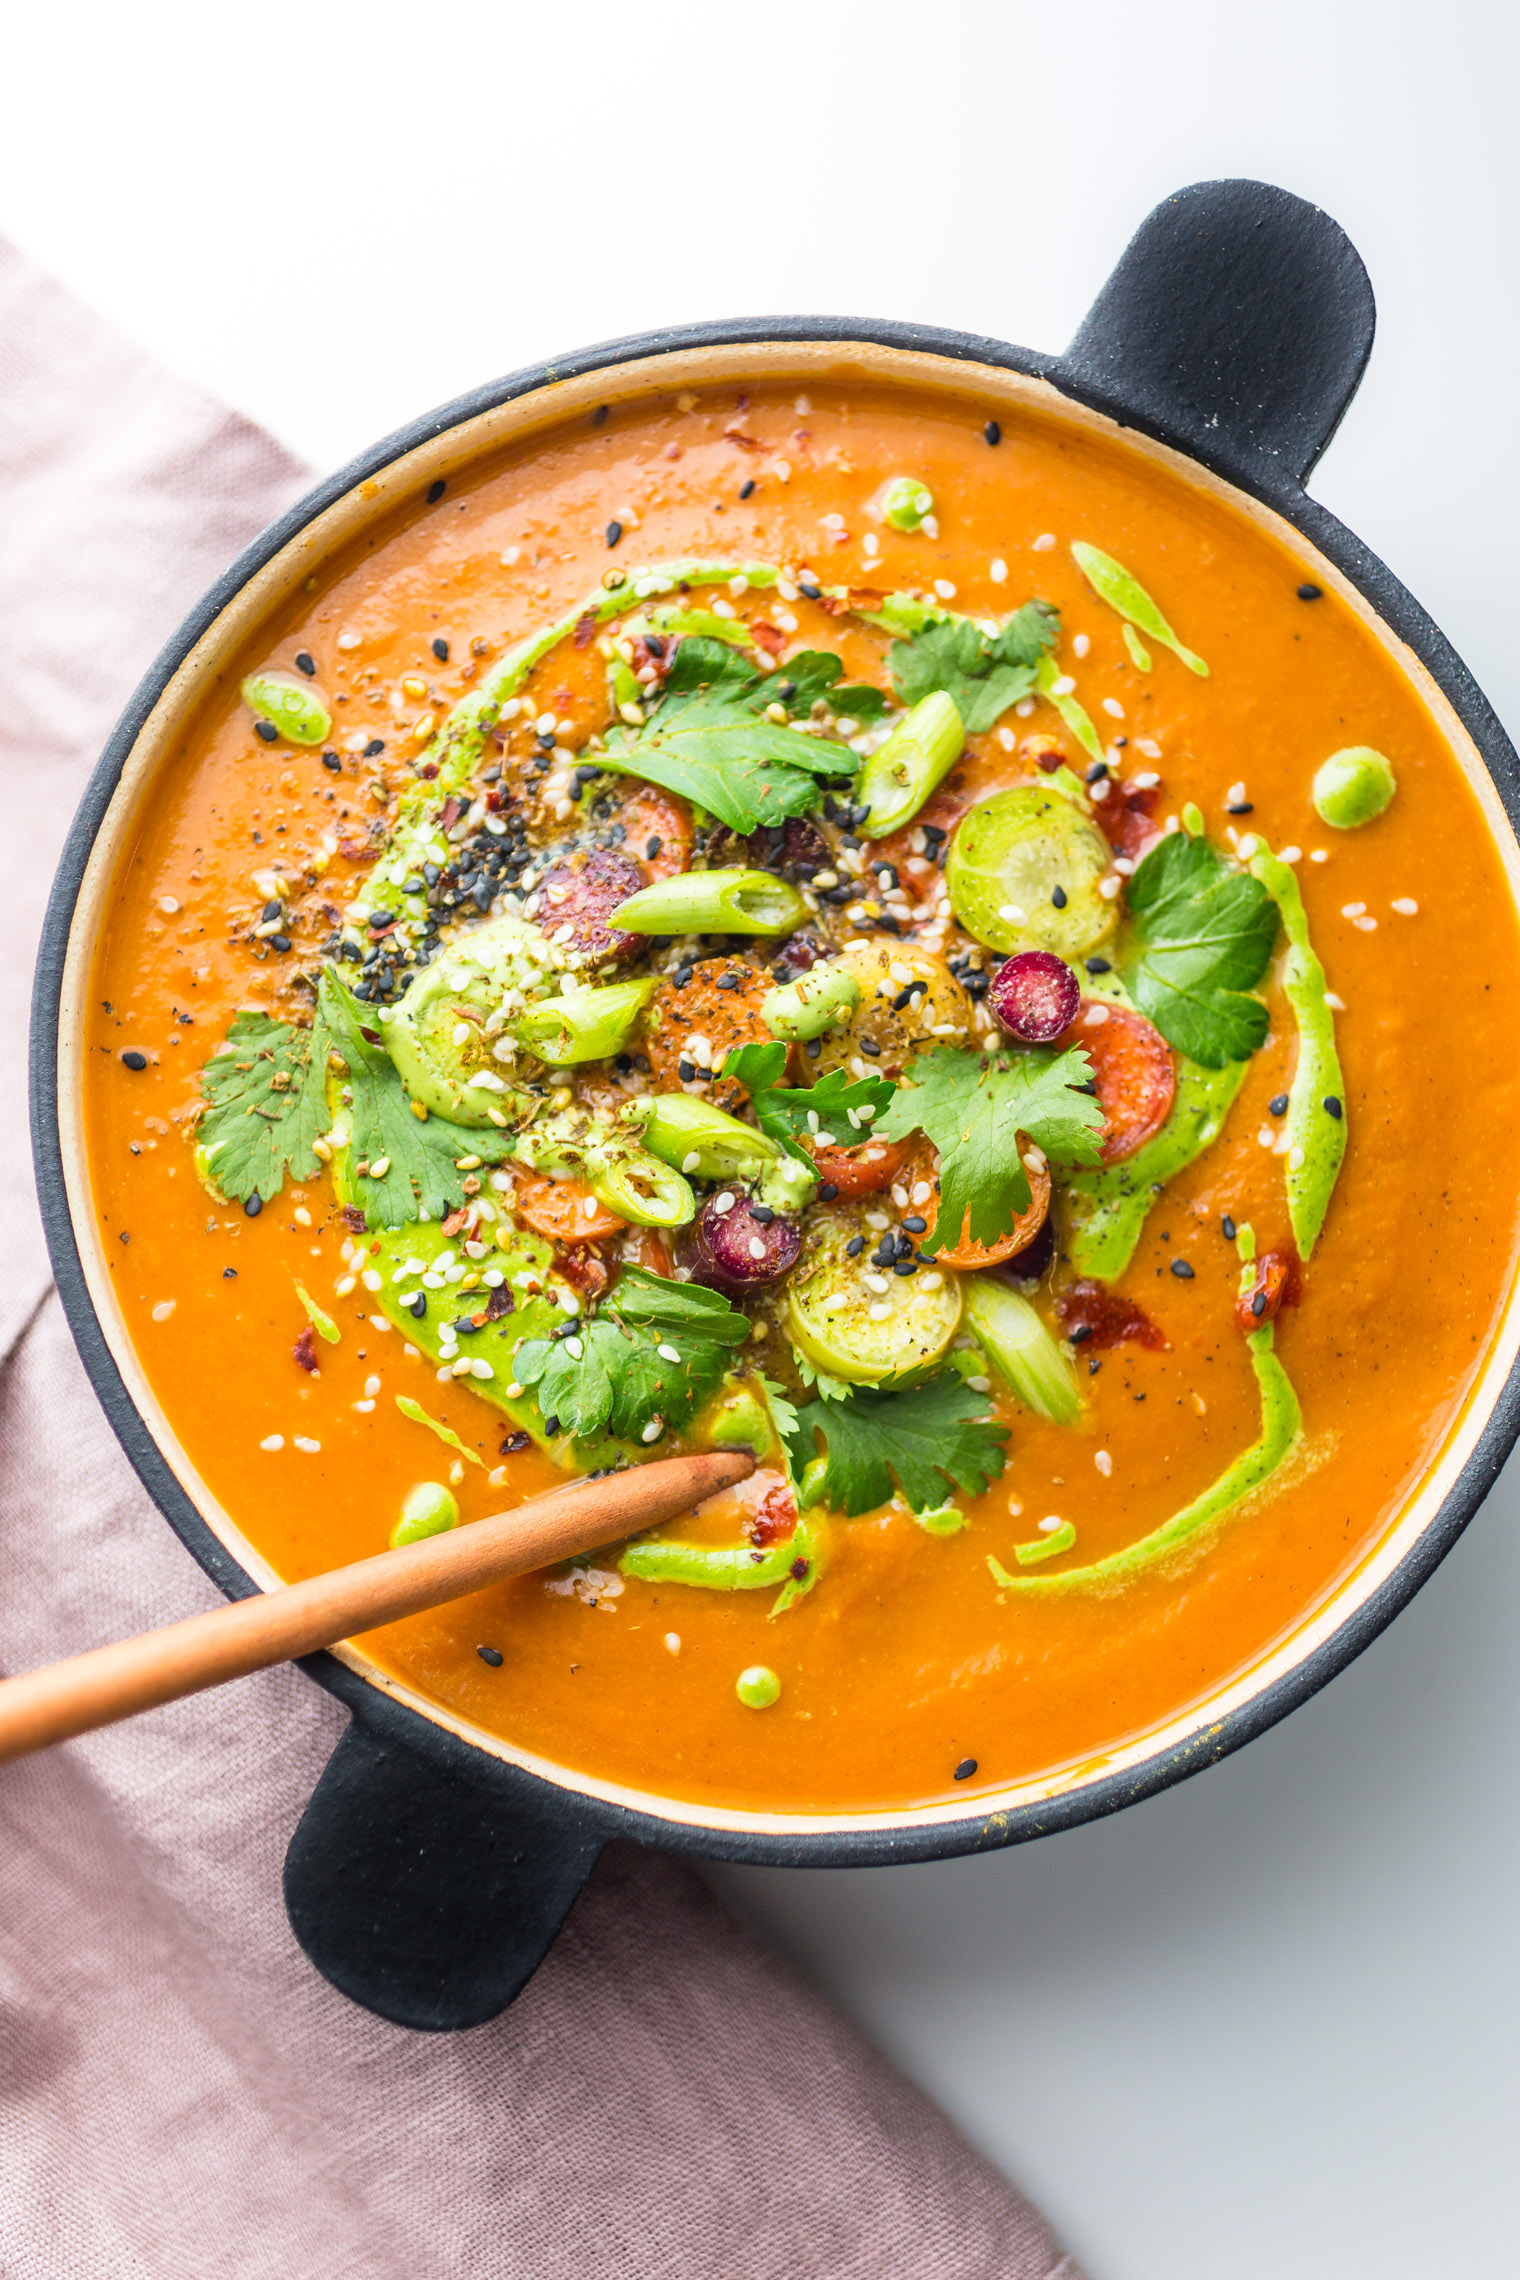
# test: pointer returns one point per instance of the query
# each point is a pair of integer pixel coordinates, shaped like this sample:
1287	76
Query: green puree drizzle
1316	1134
1280	1429
1109	1208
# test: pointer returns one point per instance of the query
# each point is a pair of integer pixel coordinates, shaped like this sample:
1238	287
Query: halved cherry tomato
965	1254
866	1170
649	816
565	1211
1133	1070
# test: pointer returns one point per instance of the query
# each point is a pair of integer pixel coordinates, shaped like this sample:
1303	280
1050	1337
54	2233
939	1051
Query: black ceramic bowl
434	1865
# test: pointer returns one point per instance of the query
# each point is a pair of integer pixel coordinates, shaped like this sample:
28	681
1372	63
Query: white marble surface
1265	2025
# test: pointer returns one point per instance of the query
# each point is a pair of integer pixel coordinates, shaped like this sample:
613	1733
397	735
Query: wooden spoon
97	1688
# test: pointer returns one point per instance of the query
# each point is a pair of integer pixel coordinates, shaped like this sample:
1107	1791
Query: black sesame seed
272	910
1278	1105
614	533
1080	1334
902	998
382	917
855	1246
687	1072
1332	1107
416	1305
1058	897
993	432
1182	1270
266	729
1259	1303
253	1205
491	1655
905	1266
305	662
1096	772
280	942
870	1049
135	1060
915	1225
229	1274
652	848
811	588
441	650
374	748
967	1766
435	491
747	488
331	762
551	1426
827	1191
599	416
763	1212
1308	593
1227	1226
1241	807
1097	965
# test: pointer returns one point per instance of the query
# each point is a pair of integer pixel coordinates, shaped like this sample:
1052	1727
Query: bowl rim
831	1838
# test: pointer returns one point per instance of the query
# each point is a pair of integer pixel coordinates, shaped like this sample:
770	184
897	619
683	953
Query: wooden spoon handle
97	1688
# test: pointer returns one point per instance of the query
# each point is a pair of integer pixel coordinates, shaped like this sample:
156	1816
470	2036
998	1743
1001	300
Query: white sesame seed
933	1281
1015	913
274	1442
878	1311
725	1202
575	1349
379	1322
481	1368
668	1353
1295	1159
1235	796
1336	1005
1290	854
653	1430
878	1283
756	1247
462	1367
1266	1137
1319	854
546	725
344	1285
1051	1522
1024	707
164	1309
837	1303
1062	687
1044	542
370	1279
1095	1017
672	1642
1406	906
371	1387
945	588
1108	888
998	572
363	1408
514	1391
1113	708
1352	910
1147	779
872	543
307	1447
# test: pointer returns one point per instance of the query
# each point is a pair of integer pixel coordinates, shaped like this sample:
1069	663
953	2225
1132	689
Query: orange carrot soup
931	949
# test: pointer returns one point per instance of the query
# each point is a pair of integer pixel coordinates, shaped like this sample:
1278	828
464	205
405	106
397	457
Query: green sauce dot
1352	787
758	1687
429	1509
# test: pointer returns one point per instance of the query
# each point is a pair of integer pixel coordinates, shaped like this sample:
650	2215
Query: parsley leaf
971	1105
420	1156
983	674
619	1381
783	1111
1205	932
919	1439
707	742
266	1102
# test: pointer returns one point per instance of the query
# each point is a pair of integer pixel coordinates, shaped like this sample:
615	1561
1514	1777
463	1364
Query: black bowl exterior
428	1876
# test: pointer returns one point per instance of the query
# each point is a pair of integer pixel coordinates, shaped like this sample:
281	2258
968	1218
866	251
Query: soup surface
812	920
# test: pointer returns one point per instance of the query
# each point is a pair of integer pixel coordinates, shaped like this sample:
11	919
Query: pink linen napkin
181	2096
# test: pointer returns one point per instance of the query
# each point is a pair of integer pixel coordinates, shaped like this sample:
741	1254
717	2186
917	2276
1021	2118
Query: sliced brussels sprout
909	999
584	1024
855	1322
1023	873
446	1036
823	997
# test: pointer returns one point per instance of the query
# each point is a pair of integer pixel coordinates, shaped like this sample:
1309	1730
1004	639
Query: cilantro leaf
619	1381
420	1156
983	674
785	1112
971	1106
920	1439
707	742
1205	933
266	1102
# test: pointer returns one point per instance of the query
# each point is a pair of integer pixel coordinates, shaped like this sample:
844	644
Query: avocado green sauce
1108	1208
732	1567
1280	1430
1316	1132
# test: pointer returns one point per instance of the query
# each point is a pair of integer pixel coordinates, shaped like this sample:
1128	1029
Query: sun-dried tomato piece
774	1516
1126	818
1277	1283
353	1219
718	1002
1092	1314
580	893
1133	1070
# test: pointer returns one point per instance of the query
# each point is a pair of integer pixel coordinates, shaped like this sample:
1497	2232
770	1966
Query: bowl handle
1237	326
425	1894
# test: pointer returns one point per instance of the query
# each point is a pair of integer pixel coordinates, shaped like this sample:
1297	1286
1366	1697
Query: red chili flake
1125	819
585	627
585	1270
514	1442
354	1219
1092	1314
428	770
358	850
370	1036
494	800
774	1517
304	1350
449	813
770	637
454	1222
1278	1282
745	442
798	1570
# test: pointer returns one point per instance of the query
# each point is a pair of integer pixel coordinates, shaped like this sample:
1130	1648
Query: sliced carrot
965	1254
654	818
722	1018
565	1211
1133	1070
866	1170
